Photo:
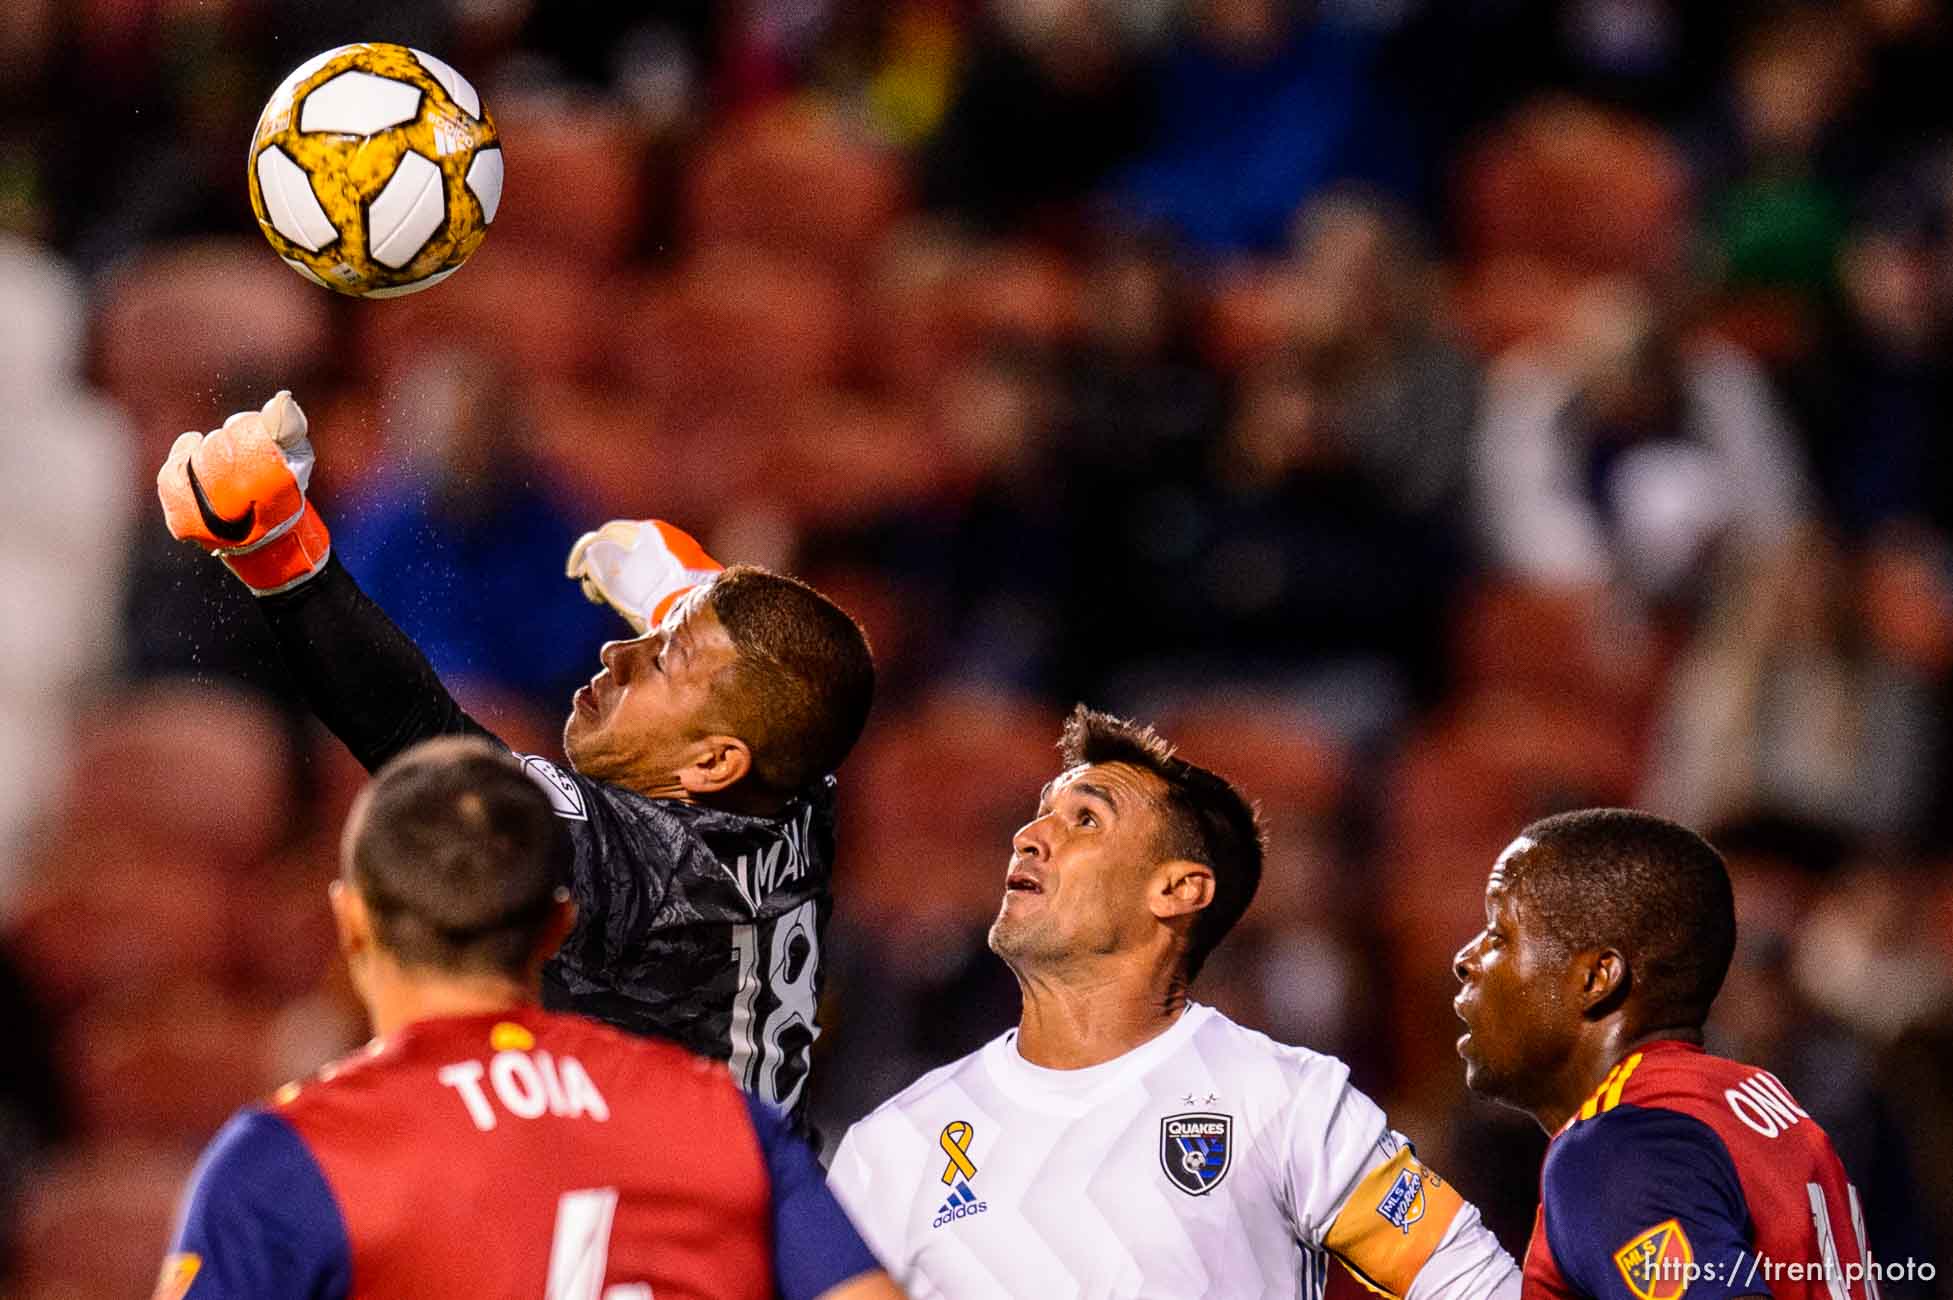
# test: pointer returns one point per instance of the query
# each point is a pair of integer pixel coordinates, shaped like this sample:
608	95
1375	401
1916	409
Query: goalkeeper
699	793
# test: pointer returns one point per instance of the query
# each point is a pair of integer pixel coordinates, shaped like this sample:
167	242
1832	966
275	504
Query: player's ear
1604	979
351	919
717	763
1183	889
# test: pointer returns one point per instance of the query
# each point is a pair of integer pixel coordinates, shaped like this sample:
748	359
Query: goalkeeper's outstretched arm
364	678
239	492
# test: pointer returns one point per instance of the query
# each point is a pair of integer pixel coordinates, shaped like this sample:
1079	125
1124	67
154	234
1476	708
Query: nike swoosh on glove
639	567
239	493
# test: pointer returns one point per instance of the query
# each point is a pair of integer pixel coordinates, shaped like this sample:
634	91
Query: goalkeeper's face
648	721
1086	877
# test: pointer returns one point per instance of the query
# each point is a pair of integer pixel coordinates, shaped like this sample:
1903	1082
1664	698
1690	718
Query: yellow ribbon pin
956	1145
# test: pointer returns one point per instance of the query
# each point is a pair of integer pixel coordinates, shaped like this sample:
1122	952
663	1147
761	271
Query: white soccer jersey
1211	1161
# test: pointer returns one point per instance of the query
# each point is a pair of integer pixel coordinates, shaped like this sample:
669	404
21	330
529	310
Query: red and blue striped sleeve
1644	1204
815	1246
259	1221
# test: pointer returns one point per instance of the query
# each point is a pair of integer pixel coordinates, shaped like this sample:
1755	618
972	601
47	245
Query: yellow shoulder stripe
179	1271
1392	1223
1608	1095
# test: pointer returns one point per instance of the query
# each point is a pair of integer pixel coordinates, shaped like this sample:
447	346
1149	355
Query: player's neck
1590	1063
746	799
1075	1021
743	798
398	998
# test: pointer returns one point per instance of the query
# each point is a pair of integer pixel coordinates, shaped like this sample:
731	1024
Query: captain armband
1392	1223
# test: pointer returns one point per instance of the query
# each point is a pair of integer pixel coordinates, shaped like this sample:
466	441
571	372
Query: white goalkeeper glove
639	567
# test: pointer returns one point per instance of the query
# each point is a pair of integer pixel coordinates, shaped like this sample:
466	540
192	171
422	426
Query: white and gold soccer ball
375	170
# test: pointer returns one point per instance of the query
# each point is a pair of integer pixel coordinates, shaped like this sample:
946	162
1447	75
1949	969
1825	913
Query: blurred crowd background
1434	413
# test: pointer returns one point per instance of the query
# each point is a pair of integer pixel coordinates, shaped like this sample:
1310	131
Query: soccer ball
375	170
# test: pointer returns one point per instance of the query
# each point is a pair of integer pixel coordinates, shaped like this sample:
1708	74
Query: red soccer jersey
520	1154
1689	1174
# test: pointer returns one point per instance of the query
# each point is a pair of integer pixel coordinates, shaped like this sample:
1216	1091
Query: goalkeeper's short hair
799	691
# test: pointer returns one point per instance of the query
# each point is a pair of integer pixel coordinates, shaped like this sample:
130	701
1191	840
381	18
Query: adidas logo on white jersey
962	1203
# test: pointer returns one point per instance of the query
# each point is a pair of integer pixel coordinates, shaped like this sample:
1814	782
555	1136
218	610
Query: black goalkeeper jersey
692	923
701	925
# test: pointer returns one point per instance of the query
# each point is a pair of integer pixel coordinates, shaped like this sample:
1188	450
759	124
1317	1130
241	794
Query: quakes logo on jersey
375	170
1196	1150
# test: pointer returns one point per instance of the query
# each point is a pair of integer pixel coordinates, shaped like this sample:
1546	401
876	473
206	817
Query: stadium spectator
1776	167
461	497
1782	706
63	576
1258	106
1289	564
1048	103
1630	454
1365	292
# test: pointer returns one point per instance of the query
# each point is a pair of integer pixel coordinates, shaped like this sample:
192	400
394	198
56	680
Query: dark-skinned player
1671	1172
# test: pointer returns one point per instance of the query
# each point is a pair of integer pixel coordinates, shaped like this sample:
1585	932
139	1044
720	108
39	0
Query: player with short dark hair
1202	818
1123	1141
457	866
698	795
480	1146
1607	936
802	682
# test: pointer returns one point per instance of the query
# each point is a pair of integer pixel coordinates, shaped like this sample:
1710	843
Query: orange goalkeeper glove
239	493
639	567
